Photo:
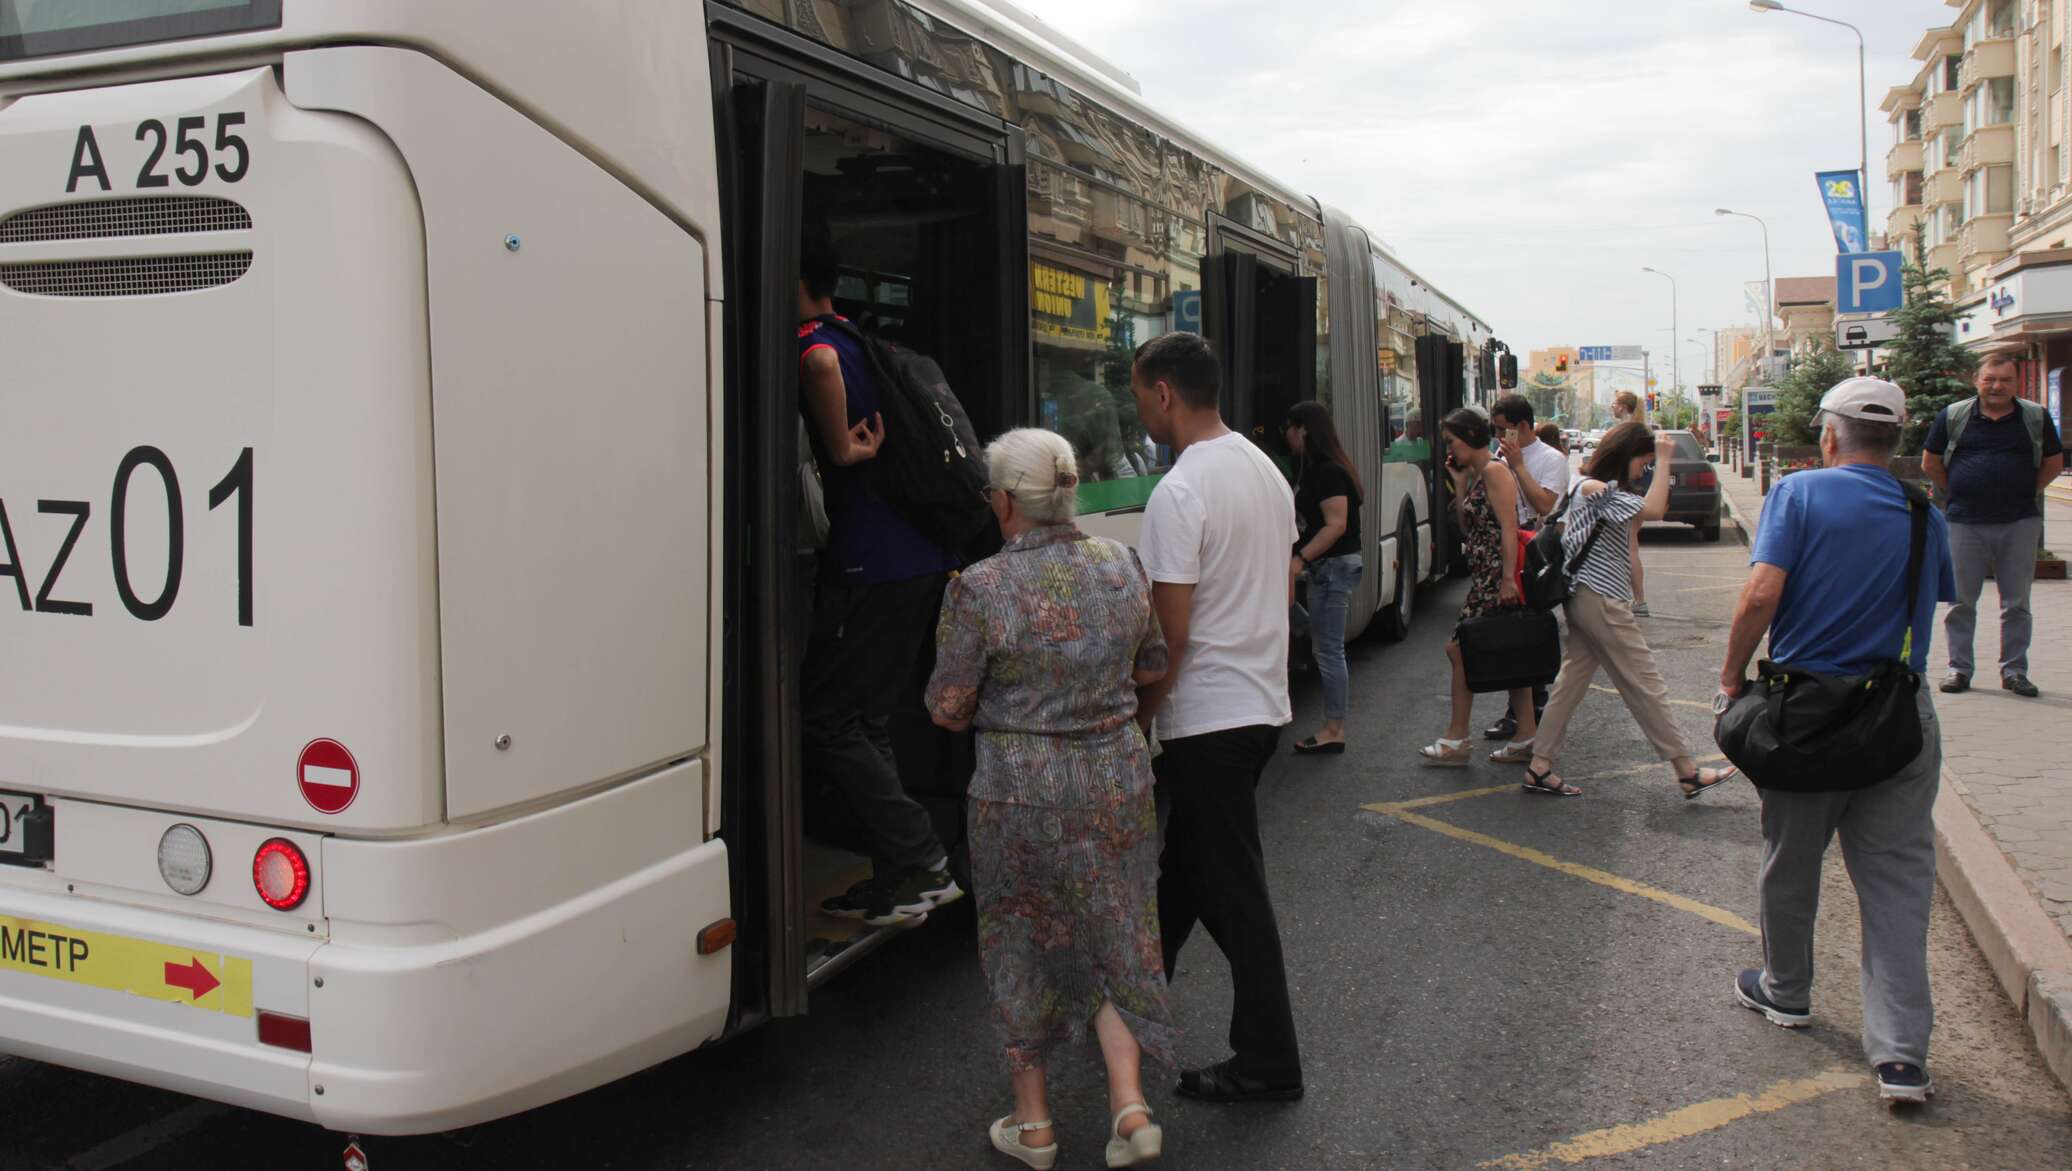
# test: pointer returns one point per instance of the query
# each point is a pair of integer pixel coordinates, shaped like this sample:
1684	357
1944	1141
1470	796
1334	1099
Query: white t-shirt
1549	468
1223	521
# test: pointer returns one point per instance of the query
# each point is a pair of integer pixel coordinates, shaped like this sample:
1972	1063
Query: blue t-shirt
1842	535
1993	477
867	540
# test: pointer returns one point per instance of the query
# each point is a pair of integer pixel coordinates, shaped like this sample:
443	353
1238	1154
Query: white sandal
1456	753
1007	1139
1141	1145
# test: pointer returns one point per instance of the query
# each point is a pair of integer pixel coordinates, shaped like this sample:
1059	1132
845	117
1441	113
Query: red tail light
1705	479
281	874
284	1031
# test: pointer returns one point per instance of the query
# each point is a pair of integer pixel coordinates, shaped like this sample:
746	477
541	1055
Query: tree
1925	360
1549	395
1798	396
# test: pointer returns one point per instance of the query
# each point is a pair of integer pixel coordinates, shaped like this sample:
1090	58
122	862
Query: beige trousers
1603	632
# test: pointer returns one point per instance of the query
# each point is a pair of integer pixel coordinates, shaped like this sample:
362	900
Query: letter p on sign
1869	282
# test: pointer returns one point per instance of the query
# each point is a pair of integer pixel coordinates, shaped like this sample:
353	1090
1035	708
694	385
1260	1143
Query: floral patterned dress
1036	647
1482	539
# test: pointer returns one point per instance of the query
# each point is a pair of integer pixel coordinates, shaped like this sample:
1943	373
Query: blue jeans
1331	582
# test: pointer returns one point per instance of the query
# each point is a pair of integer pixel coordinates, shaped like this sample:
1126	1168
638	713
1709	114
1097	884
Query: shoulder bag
1800	731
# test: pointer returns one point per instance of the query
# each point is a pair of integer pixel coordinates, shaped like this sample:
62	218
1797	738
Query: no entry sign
329	776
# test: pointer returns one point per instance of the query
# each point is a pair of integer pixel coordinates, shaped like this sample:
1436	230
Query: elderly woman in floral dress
1042	648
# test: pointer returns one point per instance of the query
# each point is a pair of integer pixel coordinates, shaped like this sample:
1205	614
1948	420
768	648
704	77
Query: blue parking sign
1869	282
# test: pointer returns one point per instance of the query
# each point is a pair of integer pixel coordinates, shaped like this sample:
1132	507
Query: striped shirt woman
1602	630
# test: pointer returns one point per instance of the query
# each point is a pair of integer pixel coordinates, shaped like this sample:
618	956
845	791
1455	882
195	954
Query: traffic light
1507	372
1561	363
1653	399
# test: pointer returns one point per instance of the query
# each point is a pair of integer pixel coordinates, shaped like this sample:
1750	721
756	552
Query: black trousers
1212	871
862	650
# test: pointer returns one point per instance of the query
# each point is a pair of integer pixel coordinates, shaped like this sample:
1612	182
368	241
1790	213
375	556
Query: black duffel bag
1799	731
1517	646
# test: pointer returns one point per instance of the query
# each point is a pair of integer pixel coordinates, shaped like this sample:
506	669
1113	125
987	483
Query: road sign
329	776
1760	402
1865	332
1609	353
1869	282
1187	311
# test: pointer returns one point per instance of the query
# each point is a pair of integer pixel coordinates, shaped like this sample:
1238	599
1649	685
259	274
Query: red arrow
192	976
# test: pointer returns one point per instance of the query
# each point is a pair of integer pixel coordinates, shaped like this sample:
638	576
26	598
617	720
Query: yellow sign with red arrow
139	967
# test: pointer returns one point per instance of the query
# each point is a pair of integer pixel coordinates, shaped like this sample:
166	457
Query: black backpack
931	468
1549	578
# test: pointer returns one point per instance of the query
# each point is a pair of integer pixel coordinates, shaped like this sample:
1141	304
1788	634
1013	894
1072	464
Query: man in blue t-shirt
2005	452
1829	587
880	589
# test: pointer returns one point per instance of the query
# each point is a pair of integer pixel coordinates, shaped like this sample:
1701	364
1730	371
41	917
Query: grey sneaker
1640	610
1899	1081
1748	989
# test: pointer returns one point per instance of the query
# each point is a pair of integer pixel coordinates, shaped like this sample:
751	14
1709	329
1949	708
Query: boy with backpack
880	589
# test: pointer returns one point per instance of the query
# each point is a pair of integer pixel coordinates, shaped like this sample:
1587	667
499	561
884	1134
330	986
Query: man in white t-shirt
1215	543
1542	473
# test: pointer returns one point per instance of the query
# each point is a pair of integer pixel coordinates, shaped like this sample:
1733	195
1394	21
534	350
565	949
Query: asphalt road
1494	980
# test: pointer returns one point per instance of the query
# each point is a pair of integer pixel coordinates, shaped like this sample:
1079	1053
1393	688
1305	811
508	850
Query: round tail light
183	859
281	874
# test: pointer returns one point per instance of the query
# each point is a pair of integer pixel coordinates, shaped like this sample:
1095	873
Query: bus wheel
1395	621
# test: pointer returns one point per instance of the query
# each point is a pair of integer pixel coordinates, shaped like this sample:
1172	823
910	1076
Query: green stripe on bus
1109	495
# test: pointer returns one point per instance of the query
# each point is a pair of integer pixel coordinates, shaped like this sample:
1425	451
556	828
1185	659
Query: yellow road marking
1651	766
1684	1123
1677	702
141	967
1443	798
1587	873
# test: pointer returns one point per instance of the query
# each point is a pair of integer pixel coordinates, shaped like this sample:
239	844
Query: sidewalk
2003	823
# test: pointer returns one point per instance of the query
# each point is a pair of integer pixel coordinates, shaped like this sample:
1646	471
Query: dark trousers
860	658
1212	871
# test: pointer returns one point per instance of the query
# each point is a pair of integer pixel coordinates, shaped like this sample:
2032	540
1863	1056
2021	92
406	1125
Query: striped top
1036	648
1607	571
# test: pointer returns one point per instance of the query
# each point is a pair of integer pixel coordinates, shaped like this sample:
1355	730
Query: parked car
1694	492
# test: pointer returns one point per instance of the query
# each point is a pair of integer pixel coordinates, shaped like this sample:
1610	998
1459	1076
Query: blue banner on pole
1844	199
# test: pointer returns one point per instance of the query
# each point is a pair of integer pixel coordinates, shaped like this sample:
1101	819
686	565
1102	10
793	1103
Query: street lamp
1863	104
1675	358
1769	323
1715	351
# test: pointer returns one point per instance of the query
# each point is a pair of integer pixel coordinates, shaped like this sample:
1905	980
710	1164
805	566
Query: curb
1741	524
2027	951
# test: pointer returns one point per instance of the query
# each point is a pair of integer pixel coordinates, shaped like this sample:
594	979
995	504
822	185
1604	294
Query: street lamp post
1769	342
1715	351
1863	102
1675	360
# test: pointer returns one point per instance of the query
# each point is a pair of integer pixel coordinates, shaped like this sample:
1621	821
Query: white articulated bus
403	563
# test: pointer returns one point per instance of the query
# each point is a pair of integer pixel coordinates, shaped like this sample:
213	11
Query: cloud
1530	156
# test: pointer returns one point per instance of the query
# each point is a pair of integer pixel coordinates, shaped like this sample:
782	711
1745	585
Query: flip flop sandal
1536	782
1311	747
1700	788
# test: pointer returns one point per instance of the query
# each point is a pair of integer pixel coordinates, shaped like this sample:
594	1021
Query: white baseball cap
1873	400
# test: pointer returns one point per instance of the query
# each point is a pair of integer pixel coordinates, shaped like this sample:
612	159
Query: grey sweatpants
1888	843
2008	552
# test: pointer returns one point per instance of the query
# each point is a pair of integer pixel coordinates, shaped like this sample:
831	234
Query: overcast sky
1529	156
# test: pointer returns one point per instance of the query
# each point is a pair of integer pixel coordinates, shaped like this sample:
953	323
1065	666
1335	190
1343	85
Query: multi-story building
1952	163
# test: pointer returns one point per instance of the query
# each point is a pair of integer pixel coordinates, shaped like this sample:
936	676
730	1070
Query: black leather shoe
2020	685
1955	682
1222	1082
1504	729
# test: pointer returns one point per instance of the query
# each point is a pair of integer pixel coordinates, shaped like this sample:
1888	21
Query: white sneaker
1143	1145
1007	1139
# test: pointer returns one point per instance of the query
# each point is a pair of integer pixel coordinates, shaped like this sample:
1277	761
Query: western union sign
156	971
1064	303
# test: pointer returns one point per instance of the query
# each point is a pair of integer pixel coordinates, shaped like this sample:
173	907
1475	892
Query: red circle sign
329	776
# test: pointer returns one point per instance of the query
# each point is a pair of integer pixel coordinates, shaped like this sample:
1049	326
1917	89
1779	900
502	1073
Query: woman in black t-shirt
1327	507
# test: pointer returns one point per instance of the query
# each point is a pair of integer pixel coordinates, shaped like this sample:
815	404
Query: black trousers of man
862	650
1213	871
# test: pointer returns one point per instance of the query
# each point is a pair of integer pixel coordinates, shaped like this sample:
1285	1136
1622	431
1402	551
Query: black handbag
1799	731
1517	646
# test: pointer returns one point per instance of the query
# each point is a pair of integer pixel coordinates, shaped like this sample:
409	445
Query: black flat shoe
1310	747
2020	685
1954	683
1222	1082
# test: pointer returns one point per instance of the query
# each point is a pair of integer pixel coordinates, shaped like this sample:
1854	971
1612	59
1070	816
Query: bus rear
354	549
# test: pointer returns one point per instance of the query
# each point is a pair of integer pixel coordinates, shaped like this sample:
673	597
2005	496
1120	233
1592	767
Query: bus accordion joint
716	937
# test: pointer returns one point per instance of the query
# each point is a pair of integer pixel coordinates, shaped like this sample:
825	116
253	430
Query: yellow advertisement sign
1064	303
156	971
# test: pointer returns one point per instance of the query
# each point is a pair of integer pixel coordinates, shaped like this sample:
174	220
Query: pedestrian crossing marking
1717	915
1684	1123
